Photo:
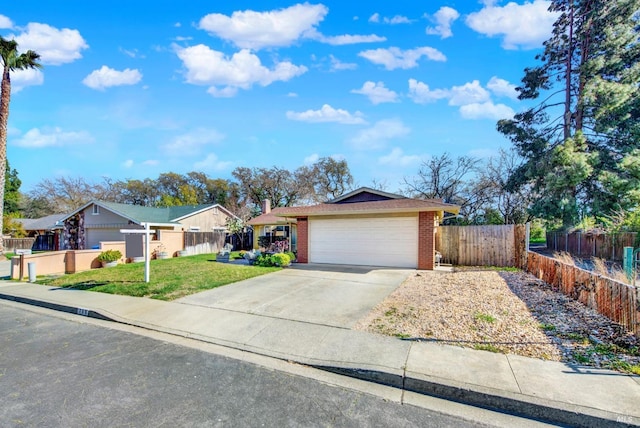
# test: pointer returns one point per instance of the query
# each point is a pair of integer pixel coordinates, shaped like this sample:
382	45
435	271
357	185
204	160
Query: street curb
57	307
486	398
502	401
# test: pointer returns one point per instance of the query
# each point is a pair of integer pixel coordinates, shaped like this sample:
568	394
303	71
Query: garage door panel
389	241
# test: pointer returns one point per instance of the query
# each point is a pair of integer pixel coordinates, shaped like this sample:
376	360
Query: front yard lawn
170	279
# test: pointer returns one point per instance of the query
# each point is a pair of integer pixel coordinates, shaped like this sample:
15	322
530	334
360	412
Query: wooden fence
503	245
204	242
615	300
13	244
590	244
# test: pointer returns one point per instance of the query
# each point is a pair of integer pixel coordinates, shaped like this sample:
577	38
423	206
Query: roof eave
452	209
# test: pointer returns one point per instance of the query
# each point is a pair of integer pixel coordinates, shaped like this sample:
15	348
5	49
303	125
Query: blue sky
131	89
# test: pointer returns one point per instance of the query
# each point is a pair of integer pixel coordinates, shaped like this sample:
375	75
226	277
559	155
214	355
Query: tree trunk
5	97
568	76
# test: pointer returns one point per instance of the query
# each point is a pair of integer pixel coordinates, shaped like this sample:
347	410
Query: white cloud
377	136
151	162
327	114
502	88
394	57
212	163
131	53
52	137
5	22
54	46
257	30
226	92
194	142
377	93
420	93
398	19
474	100
523	26
106	77
444	17
468	93
311	159
205	66
128	163
20	79
337	65
292	95
487	110
347	39
397	158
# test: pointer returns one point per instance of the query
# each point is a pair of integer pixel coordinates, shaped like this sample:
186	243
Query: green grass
484	317
487	347
538	241
169	278
547	327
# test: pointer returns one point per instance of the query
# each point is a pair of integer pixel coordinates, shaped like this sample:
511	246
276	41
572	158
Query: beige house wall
213	218
170	241
61	262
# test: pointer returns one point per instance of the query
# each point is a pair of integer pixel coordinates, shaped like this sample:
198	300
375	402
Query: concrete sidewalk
543	390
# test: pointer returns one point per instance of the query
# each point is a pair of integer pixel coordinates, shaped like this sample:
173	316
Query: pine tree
586	119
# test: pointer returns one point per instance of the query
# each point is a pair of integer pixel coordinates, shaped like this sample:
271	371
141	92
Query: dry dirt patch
502	311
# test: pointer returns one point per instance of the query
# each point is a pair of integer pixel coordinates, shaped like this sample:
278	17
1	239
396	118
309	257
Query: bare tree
512	203
442	177
64	194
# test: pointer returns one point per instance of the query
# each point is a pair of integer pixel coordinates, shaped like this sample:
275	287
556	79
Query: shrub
281	259
278	259
110	256
291	255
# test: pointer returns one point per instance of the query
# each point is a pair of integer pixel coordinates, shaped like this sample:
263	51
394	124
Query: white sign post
147	232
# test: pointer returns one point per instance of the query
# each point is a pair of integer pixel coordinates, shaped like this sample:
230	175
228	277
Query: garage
369	241
369	227
95	236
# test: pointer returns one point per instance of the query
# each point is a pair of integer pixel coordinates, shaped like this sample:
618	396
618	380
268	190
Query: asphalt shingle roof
42	223
141	214
370	207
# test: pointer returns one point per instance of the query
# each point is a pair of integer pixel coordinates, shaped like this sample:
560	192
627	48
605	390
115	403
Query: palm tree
11	61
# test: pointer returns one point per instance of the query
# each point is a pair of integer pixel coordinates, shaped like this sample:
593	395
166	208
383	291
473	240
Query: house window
215	210
96	210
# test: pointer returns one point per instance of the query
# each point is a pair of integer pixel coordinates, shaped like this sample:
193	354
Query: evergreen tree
11	191
585	124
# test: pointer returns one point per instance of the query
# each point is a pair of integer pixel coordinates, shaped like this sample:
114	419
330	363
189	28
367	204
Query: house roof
359	202
272	217
142	214
49	222
364	190
388	206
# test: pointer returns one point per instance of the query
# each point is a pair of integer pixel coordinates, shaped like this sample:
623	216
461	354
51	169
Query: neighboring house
272	226
42	225
368	227
46	230
100	221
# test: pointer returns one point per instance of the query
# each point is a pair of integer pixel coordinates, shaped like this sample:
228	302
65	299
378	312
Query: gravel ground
502	311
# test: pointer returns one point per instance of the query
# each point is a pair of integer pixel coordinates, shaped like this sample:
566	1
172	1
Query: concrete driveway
334	295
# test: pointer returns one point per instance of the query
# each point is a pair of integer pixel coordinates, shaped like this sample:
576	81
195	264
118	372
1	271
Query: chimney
266	206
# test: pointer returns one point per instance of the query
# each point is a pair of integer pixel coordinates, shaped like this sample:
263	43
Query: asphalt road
57	372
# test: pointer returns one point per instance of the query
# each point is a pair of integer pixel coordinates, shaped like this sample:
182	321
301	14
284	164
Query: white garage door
388	241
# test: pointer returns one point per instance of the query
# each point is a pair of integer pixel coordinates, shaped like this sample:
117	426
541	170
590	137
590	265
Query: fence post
627	262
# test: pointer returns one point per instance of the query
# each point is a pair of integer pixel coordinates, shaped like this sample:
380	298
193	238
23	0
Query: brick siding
303	240
426	240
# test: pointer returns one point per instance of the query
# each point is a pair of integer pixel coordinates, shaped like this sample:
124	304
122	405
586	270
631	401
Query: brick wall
303	240
426	240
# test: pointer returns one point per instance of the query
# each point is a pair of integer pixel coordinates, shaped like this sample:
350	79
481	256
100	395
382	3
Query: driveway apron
333	295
